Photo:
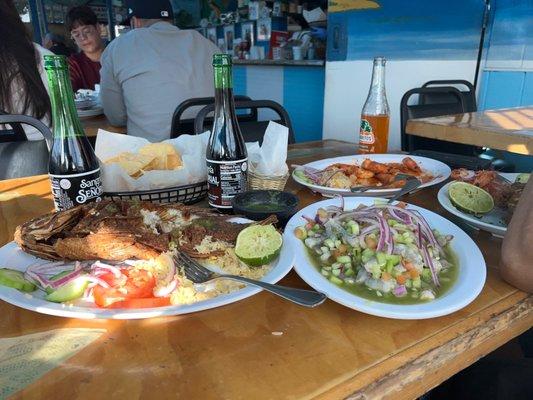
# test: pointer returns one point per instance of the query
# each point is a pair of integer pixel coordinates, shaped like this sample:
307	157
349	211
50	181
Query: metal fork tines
200	274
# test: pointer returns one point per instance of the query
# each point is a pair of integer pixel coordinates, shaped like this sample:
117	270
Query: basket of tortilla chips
153	172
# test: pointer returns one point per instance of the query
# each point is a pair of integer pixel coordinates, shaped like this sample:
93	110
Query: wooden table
508	129
231	352
92	124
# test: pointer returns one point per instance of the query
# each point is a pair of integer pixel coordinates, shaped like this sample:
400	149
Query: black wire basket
186	194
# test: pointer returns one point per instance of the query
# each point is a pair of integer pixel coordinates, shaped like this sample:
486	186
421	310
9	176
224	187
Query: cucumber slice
69	291
15	279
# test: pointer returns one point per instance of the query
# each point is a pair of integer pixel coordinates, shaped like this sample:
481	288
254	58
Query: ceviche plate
439	170
493	222
470	278
13	257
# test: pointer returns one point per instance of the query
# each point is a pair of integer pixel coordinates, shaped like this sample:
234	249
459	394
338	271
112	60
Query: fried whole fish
120	230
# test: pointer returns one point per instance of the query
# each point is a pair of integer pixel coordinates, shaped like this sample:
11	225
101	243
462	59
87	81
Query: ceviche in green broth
386	253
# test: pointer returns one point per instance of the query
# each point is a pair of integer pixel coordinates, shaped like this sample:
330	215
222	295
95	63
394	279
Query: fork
362	189
200	274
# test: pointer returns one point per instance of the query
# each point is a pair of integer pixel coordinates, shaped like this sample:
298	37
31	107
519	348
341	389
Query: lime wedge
522	178
470	198
258	245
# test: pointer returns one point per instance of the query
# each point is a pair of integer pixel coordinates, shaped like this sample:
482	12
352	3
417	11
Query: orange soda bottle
374	129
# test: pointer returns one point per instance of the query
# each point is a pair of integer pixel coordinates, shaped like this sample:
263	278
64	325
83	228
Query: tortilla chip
133	164
166	155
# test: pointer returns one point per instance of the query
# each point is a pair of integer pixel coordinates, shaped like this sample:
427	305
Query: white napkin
192	149
271	157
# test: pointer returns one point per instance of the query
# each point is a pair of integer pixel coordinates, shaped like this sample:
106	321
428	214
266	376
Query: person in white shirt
23	82
147	72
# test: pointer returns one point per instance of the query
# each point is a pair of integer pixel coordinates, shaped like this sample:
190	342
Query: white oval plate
91	112
470	279
493	222
11	256
438	169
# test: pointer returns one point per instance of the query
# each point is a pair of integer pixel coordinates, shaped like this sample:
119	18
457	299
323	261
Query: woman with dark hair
84	66
23	83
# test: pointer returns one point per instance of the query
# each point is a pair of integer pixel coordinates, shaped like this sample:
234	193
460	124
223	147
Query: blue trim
34	17
303	98
239	80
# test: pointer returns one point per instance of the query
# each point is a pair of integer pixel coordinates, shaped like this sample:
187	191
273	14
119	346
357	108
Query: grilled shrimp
375	167
411	164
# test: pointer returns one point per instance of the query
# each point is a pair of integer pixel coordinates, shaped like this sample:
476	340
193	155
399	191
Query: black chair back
11	132
454	105
19	158
469	95
251	130
186	126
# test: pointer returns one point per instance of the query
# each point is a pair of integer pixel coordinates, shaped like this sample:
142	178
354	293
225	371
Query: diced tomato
401	279
413	273
147	302
104	297
140	284
135	284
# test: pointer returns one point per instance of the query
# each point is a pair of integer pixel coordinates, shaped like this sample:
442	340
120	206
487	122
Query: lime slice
522	178
258	245
470	198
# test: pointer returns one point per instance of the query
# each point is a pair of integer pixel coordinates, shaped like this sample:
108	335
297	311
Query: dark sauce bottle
227	158
73	168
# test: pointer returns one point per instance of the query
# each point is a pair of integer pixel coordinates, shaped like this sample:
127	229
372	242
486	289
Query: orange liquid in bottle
374	134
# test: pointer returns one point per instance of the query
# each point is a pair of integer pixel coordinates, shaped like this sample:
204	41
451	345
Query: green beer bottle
73	167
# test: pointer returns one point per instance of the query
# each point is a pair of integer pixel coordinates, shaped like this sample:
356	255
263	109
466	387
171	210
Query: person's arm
516	265
111	92
75	74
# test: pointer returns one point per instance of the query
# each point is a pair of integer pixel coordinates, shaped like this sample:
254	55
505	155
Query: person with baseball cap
148	71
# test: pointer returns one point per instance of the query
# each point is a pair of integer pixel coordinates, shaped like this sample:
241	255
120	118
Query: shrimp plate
372	169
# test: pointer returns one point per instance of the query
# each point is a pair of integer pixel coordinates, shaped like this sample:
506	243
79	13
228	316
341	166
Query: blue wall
404	30
507	79
299	89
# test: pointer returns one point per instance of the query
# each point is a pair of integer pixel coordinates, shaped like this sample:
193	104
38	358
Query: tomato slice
104	297
140	284
135	284
147	302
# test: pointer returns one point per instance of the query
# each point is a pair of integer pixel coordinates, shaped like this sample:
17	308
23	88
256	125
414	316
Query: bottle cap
55	62
221	60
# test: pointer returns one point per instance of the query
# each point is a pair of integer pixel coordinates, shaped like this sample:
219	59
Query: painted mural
404	30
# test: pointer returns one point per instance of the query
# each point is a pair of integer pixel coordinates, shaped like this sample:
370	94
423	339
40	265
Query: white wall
347	84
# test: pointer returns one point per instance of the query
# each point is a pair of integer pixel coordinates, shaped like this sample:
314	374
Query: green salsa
264	207
447	279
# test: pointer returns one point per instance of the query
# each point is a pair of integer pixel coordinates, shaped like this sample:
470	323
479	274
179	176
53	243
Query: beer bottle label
75	189
225	179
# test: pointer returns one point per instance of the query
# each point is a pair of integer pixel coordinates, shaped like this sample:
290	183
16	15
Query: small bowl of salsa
260	204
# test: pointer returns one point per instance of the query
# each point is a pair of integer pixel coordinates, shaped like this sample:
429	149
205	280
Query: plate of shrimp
336	176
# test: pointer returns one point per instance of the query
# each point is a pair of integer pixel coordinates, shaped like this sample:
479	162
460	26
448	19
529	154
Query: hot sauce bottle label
76	189
225	179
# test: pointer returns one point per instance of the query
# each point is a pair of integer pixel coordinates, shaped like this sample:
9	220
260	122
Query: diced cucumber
349	272
392	222
15	279
324	272
69	291
382	258
417	283
335	280
408	283
344	259
376	271
426	275
336	272
367	254
395	259
389	266
329	243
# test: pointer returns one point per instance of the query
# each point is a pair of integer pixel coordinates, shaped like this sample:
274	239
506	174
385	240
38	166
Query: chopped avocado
69	291
522	178
15	279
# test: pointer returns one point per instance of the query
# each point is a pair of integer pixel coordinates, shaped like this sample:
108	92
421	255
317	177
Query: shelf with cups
289	63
